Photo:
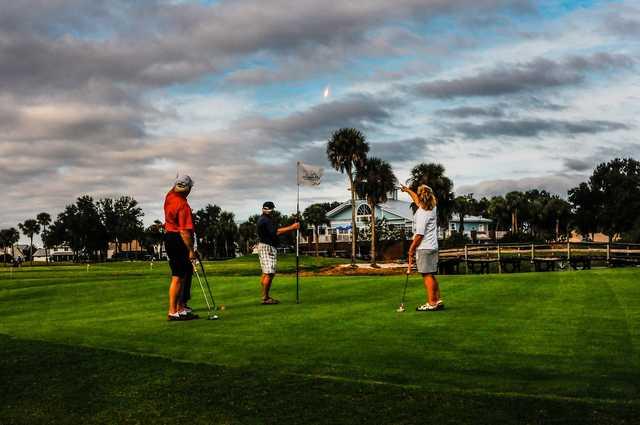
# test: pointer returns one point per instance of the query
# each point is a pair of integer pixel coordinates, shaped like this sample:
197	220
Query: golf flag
309	175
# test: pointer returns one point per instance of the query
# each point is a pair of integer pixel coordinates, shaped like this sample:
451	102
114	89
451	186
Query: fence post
533	251
569	251
608	252
466	259
499	260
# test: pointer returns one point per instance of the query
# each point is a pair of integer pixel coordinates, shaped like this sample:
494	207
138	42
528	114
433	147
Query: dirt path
361	270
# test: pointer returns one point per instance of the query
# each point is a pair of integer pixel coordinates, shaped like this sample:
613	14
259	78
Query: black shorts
178	255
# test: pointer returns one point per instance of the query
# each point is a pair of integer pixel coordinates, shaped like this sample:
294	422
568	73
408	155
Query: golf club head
213	317
401	309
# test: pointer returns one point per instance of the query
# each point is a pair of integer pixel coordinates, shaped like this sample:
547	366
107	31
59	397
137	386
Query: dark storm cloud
601	155
404	150
523	77
58	44
573	164
320	120
622	20
534	128
557	184
471	111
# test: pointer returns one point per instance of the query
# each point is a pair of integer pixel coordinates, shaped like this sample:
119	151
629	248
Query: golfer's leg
434	290
185	291
266	281
429	288
425	281
437	288
174	294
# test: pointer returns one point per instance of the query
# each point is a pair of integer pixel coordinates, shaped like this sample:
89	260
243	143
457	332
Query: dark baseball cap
268	205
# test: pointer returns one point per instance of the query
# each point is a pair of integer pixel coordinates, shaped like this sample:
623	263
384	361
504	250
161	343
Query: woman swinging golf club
425	244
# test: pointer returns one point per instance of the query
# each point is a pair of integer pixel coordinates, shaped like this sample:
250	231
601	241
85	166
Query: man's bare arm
287	229
187	238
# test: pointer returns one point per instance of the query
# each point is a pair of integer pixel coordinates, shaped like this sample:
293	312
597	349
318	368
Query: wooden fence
579	255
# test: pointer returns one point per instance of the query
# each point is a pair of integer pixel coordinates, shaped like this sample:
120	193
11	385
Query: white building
15	250
472	224
56	253
397	214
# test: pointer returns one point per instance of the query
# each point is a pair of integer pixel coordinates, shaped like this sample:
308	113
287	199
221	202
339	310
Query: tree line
608	203
88	227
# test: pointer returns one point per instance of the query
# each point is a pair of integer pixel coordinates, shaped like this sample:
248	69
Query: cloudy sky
111	98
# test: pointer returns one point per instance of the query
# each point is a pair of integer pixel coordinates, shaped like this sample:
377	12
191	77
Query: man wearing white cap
179	243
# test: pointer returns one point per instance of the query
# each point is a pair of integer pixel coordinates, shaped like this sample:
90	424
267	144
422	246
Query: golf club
211	306
401	308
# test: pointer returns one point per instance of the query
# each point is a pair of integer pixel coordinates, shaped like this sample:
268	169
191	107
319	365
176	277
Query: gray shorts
427	261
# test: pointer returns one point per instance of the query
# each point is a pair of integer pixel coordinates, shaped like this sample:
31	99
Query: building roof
399	208
403	209
470	219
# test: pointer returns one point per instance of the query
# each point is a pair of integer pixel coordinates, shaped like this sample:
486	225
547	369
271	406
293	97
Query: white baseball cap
183	182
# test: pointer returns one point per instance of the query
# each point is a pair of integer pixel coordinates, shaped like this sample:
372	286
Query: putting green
571	336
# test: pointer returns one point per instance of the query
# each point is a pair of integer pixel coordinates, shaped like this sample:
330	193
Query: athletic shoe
187	309
174	318
440	305
270	301
187	315
427	307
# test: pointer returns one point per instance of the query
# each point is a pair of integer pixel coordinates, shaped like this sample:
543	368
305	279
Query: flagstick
298	236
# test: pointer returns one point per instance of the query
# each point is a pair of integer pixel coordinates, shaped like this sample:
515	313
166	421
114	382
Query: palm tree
375	181
11	237
515	201
559	211
347	151
44	220
228	229
316	215
498	212
160	229
464	205
433	176
4	244
29	228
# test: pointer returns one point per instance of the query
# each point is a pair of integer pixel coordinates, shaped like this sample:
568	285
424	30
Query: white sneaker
427	307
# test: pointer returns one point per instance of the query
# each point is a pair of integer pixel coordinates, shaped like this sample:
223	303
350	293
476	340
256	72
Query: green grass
93	346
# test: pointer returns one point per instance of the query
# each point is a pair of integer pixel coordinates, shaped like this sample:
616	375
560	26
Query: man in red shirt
179	237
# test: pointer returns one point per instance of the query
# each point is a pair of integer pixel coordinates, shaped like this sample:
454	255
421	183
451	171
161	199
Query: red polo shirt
177	213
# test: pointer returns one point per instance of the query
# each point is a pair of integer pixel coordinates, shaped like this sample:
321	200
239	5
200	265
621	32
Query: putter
401	308
211	306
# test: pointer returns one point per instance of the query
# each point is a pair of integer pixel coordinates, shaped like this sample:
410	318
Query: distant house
596	237
16	250
397	214
56	254
472	225
129	247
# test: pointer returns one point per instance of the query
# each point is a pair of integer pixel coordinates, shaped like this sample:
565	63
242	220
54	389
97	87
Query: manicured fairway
93	346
